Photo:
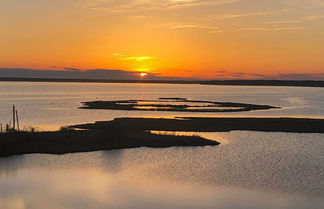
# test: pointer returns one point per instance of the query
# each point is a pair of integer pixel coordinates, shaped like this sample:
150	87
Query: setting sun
143	74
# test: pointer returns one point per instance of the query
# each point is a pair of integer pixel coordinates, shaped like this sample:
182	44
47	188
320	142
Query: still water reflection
252	170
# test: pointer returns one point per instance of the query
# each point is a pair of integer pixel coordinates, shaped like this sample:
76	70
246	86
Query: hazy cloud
282	22
211	29
315	17
270	28
223	74
277	9
193	26
258	13
135	58
179	26
230	16
221	71
73	73
138	59
68	73
142	5
296	76
305	3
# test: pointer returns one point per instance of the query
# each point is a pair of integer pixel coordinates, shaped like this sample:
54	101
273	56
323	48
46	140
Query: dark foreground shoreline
123	133
296	83
107	137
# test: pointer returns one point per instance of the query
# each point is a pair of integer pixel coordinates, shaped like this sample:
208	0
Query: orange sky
187	38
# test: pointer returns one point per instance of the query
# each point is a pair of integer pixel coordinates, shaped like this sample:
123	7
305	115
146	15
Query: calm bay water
51	105
248	170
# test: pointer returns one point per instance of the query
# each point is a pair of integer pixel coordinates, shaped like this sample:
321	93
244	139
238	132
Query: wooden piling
13	118
17	120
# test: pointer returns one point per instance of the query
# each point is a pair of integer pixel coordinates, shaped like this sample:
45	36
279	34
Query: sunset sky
183	38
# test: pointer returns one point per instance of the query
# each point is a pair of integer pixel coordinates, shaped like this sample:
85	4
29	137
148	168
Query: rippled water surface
249	170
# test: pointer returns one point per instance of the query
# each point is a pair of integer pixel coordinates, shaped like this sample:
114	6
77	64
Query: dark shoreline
107	137
217	124
294	83
123	133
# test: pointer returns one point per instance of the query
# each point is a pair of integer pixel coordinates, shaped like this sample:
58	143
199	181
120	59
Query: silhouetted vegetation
109	136
124	133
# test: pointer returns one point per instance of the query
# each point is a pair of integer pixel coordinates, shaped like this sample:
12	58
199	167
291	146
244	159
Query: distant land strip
296	83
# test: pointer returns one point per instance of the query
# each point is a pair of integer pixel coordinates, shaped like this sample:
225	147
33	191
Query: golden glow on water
150	107
72	187
207	135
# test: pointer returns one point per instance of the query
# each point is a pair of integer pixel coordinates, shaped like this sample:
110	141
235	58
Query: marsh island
122	133
174	104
